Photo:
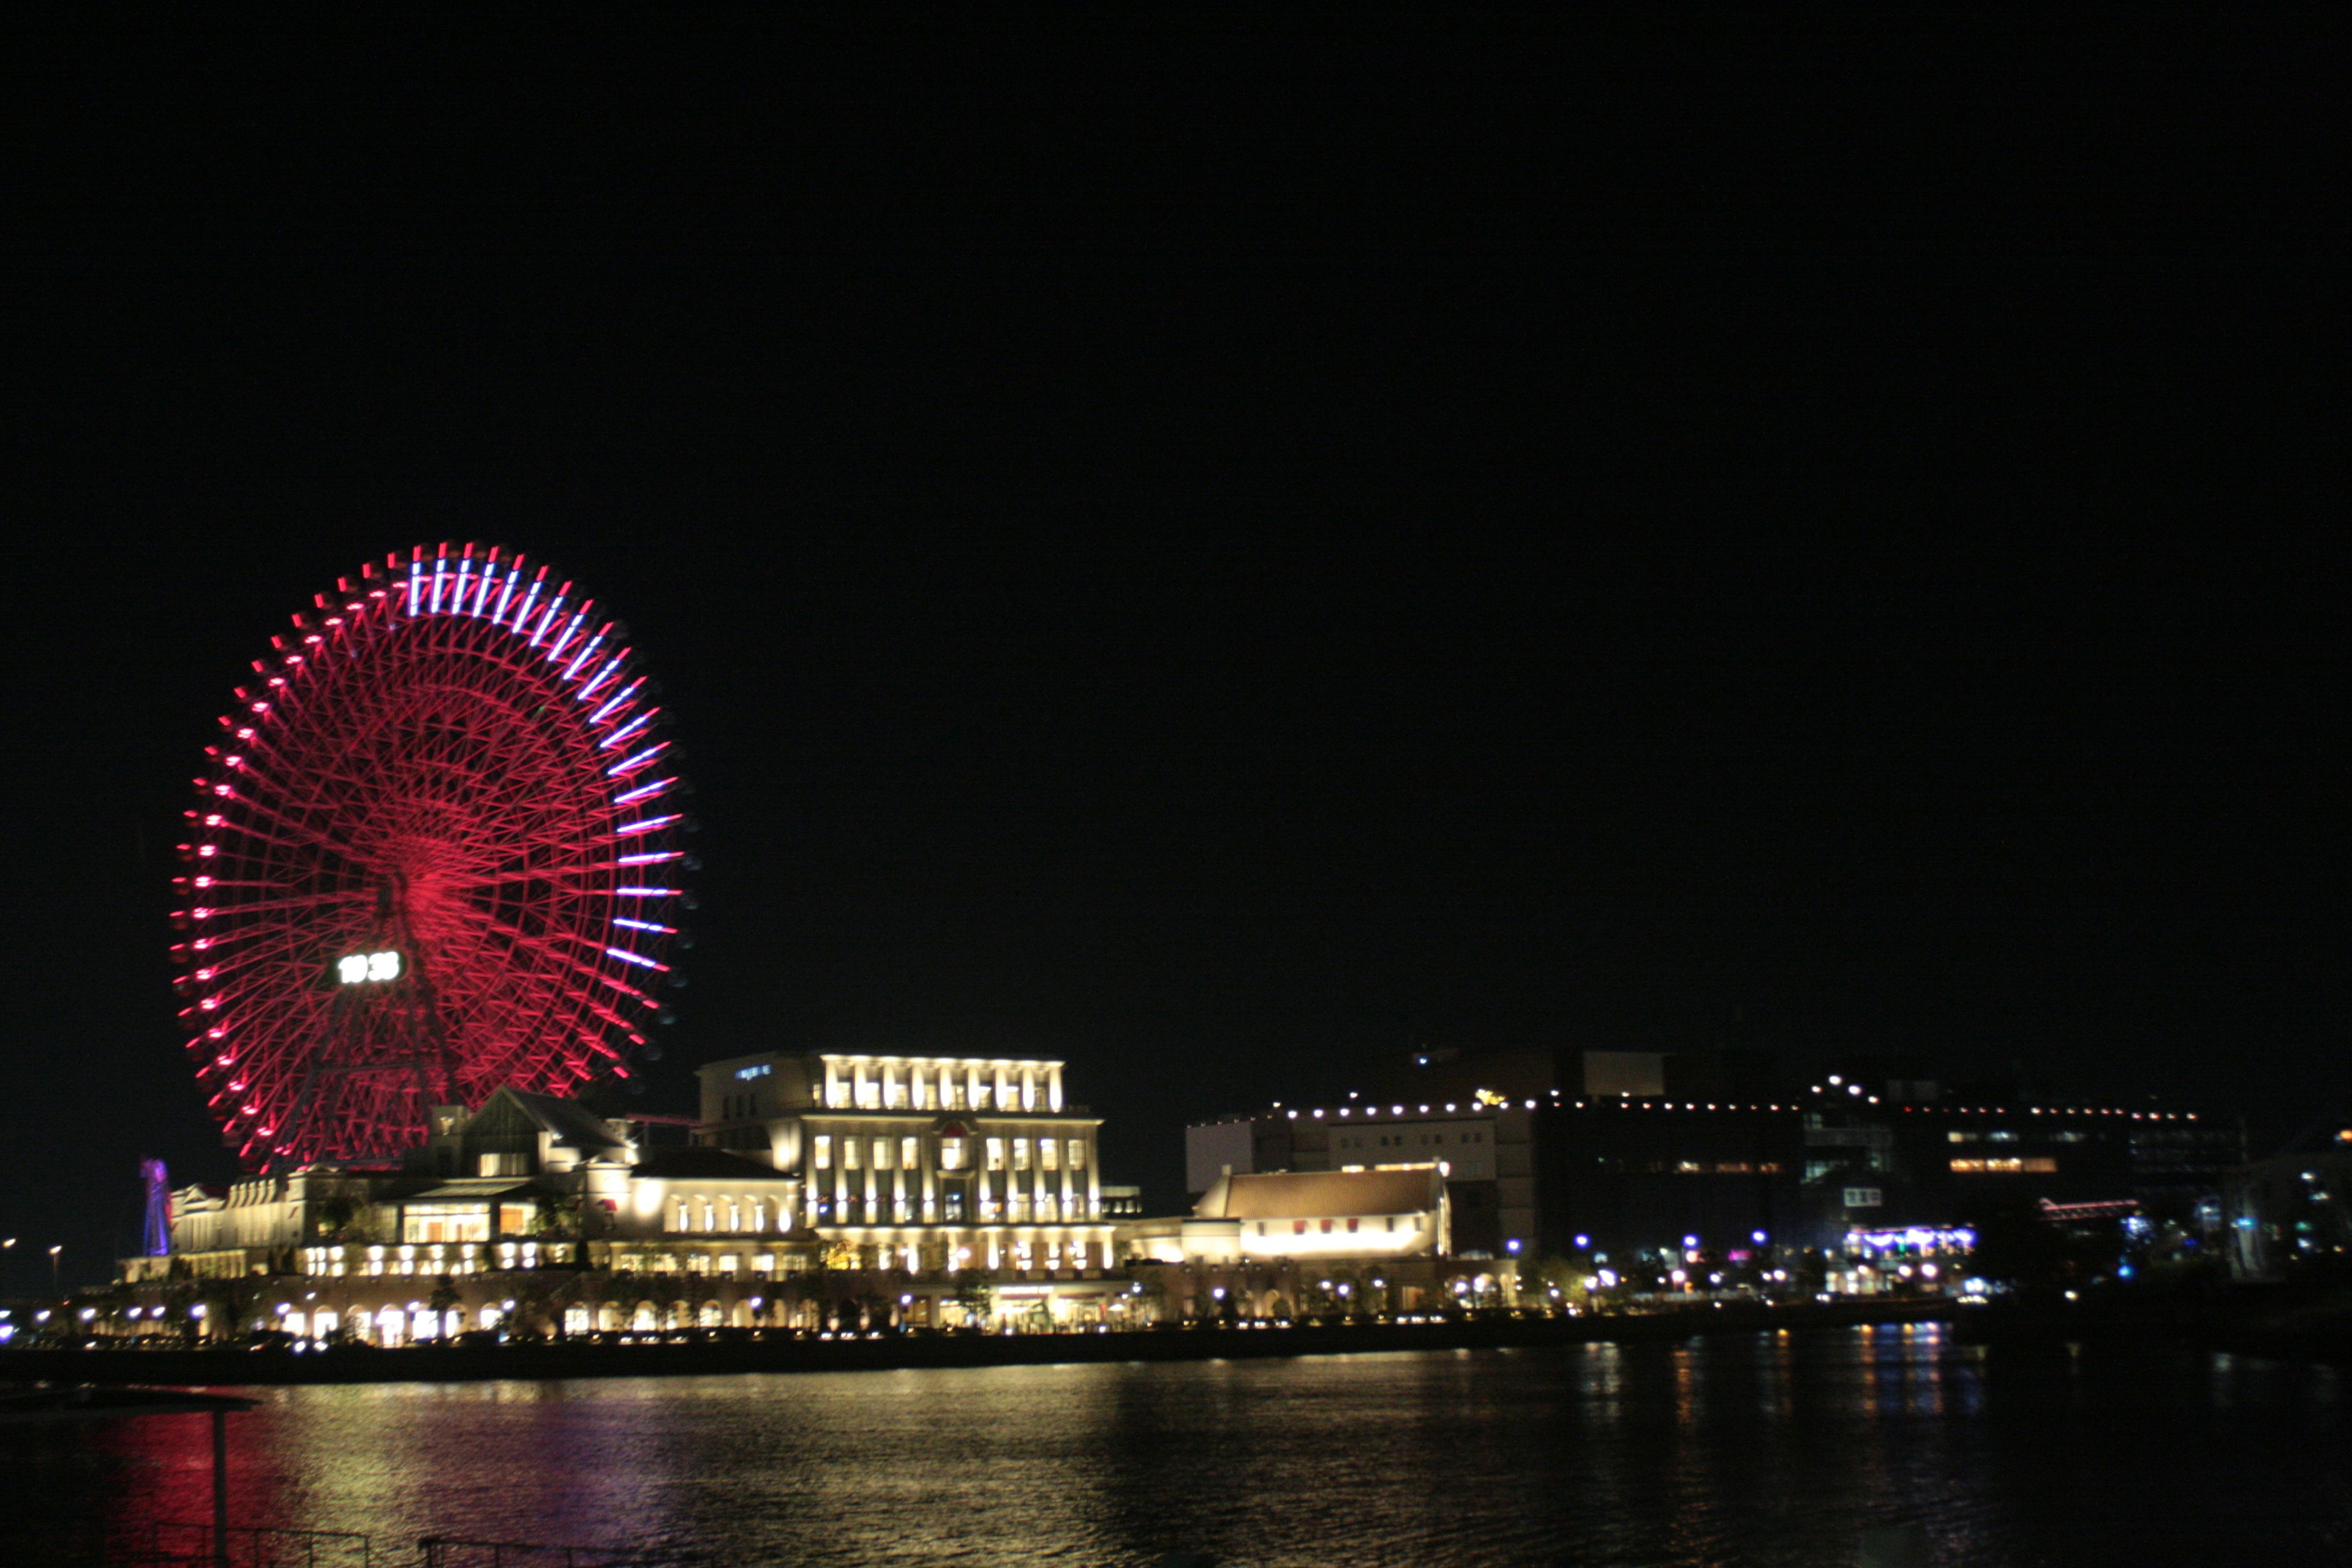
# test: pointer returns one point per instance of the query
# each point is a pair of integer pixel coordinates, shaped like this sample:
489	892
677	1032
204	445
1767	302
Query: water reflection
1768	1449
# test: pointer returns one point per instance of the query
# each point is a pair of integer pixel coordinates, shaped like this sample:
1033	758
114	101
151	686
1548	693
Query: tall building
935	1166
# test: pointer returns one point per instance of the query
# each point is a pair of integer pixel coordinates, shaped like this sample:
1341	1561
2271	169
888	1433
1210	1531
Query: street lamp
55	1288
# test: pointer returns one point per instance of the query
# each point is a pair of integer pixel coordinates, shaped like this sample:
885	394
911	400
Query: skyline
1213	617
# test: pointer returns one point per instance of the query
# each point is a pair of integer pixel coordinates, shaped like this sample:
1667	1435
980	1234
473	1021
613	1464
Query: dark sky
1221	556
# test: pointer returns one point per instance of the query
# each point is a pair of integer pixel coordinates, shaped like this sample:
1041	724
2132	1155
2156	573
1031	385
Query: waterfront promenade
697	1354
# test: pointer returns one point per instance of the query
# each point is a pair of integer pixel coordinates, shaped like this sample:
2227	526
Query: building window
883	1151
1021	1153
1299	1227
996	1153
1351	1227
1077	1154
1862	1197
852	1150
1049	1153
823	1152
953	1153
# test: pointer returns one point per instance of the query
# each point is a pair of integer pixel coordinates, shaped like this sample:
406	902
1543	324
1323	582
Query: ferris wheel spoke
303	831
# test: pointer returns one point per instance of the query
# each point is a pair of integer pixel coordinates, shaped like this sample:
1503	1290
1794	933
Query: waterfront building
1270	1245
815	1191
1638	1170
948	1176
526	1199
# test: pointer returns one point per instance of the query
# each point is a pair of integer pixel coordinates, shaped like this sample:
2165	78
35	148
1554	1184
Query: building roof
476	1189
704	1164
1312	1195
568	1119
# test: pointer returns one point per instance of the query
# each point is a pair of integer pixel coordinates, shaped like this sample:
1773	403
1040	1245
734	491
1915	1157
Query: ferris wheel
434	853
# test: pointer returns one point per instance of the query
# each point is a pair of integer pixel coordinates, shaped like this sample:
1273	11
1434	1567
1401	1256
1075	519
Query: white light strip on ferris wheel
643	792
554	608
415	581
646	825
629	765
440	572
465	581
587	651
523	613
617	699
654	926
505	594
629	729
571	629
611	668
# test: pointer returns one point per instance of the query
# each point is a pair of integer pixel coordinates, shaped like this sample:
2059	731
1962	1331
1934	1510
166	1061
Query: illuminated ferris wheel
432	854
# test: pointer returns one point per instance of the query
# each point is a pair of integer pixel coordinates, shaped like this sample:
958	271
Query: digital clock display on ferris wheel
447	784
364	968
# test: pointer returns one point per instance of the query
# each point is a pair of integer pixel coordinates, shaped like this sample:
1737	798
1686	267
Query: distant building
1655	1161
2290	1217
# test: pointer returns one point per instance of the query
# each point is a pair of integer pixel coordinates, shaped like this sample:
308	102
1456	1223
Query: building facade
942	1172
1365	1241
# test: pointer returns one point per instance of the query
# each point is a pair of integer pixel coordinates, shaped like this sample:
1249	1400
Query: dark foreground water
1767	1449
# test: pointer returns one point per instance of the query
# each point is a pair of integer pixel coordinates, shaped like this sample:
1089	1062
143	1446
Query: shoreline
887	1351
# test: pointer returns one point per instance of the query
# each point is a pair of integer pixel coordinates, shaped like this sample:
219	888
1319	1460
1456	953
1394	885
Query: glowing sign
760	1069
361	968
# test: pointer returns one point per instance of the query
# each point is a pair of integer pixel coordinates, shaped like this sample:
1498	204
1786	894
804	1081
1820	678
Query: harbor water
1766	1448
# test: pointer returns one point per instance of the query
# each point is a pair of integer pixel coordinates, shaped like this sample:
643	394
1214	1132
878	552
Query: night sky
1222	557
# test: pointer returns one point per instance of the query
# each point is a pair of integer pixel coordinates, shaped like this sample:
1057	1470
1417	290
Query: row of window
2003	1135
1352	1226
410	1260
925	1095
715	1214
901	1208
2029	1164
905	1152
1405	1140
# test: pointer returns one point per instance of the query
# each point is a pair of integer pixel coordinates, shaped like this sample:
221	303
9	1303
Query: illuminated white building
1356	1243
1389	1212
939	1171
519	1191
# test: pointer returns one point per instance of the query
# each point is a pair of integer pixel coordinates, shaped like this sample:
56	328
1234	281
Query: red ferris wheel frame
432	854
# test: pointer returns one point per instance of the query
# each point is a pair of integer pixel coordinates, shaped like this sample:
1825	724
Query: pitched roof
1312	1195
478	1189
704	1164
568	1119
